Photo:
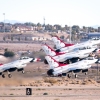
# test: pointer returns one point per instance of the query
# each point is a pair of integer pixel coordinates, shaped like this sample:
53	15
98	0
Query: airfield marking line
52	96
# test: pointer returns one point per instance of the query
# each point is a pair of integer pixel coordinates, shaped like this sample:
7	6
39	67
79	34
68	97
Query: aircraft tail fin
59	43
49	51
53	63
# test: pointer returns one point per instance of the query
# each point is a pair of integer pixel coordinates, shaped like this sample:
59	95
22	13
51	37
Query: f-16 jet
57	68
63	47
68	57
16	65
49	51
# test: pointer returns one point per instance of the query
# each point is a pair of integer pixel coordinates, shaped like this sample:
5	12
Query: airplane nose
95	50
98	61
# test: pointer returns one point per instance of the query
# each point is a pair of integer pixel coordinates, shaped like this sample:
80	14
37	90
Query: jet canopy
95	38
90	58
23	58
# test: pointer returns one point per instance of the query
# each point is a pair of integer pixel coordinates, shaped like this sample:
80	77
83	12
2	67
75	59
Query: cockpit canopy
83	48
23	58
95	38
89	58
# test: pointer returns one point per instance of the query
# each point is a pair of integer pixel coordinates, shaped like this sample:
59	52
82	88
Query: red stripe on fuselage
60	64
57	53
64	42
1	64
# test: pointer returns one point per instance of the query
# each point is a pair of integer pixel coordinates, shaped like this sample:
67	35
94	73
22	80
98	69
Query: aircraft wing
69	68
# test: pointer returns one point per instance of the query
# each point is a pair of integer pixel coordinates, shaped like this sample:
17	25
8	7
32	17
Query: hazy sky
70	12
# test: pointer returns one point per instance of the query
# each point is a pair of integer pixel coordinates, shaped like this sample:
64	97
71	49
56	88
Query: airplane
49	51
68	57
16	65
61	46
57	68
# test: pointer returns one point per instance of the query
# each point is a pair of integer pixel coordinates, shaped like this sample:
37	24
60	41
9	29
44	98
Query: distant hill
12	21
95	26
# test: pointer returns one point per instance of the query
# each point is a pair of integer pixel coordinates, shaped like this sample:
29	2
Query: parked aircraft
68	57
49	51
16	65
57	68
61	46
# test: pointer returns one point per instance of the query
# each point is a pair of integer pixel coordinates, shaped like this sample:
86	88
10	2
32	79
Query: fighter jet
63	47
16	65
68	57
57	68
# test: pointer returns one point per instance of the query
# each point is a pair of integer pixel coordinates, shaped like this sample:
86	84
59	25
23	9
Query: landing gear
3	75
45	61
85	73
68	76
76	75
9	75
69	61
23	71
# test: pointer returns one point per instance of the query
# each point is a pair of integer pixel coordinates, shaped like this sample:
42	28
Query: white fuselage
76	54
84	64
21	63
63	48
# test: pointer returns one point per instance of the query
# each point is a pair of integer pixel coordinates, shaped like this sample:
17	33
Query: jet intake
21	69
85	70
50	72
45	61
10	70
58	50
77	70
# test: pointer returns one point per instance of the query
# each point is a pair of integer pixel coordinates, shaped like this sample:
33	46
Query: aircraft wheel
9	75
76	75
68	76
70	62
85	73
3	75
60	75
23	71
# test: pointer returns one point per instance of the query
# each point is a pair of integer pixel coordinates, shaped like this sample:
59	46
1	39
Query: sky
62	12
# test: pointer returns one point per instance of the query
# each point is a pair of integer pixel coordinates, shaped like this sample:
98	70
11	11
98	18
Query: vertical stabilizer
59	43
53	63
48	50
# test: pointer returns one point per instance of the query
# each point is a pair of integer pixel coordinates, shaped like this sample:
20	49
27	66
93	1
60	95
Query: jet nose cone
97	61
95	50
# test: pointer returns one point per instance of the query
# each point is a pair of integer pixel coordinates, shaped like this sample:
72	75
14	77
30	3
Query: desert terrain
85	87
